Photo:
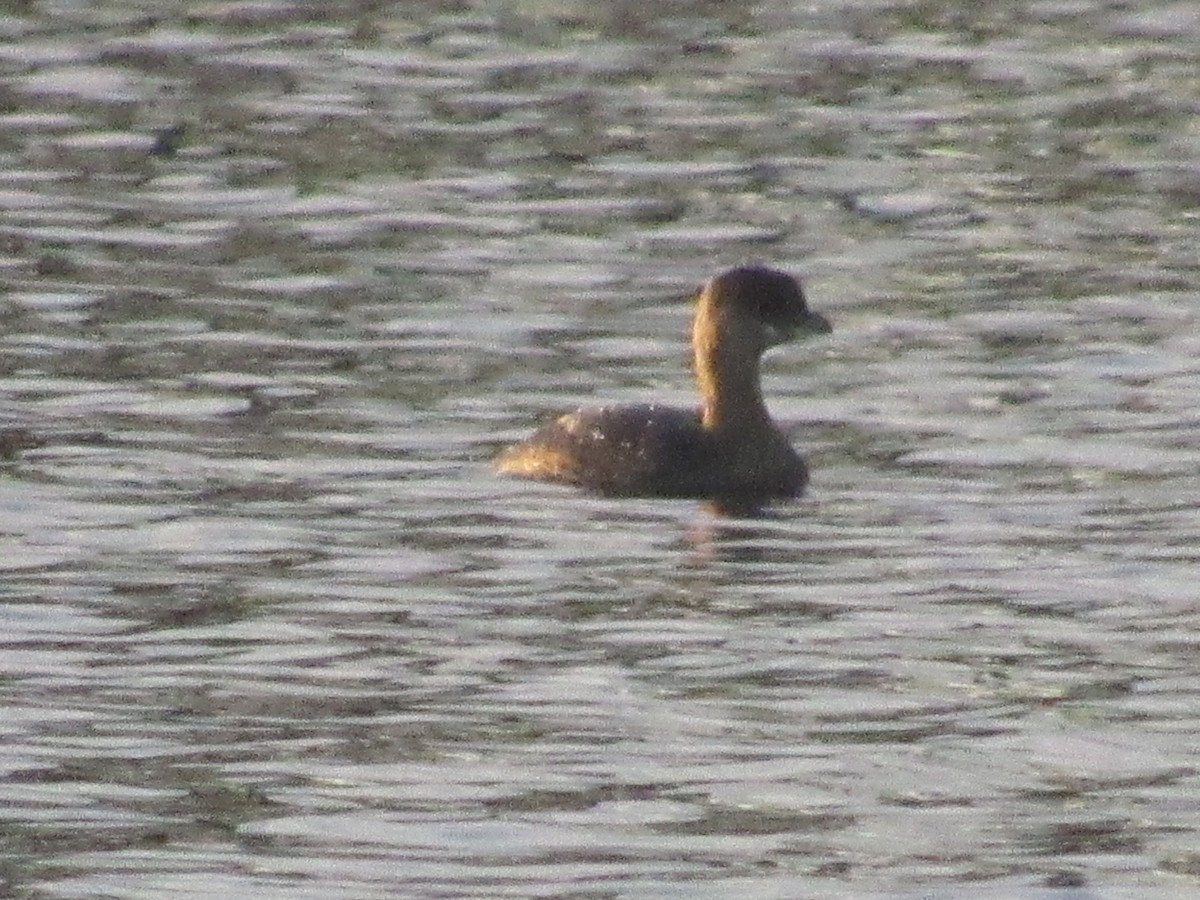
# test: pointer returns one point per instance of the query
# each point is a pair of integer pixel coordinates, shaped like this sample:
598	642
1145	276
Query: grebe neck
727	373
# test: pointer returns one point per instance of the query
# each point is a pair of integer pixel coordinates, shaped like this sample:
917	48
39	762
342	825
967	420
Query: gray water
279	279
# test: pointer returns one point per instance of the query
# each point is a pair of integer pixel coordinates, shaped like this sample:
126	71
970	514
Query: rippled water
280	278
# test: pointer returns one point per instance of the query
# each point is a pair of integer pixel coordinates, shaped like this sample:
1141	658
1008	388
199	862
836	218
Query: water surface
279	280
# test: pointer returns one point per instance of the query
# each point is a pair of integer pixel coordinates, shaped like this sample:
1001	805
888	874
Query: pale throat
727	372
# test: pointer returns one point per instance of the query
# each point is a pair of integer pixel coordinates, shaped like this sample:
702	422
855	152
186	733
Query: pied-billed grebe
729	450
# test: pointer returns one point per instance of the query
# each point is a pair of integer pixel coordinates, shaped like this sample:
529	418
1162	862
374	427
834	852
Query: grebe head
772	299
